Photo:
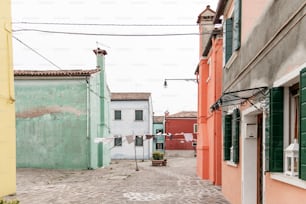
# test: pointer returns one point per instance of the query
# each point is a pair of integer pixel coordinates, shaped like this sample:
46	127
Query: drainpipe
101	64
88	124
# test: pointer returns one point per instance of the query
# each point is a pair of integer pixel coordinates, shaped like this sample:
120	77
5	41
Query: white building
131	119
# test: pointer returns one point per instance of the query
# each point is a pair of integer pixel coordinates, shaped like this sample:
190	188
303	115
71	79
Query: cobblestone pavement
118	183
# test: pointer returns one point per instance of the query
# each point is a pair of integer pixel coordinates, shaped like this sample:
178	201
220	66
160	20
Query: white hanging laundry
130	138
188	137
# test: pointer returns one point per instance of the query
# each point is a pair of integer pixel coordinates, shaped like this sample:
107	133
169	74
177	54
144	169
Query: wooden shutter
227	137
276	132
267	134
228	38
235	135
302	132
237	25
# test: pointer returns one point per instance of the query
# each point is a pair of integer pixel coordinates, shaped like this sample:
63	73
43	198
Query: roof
158	119
130	96
207	12
184	114
55	73
220	10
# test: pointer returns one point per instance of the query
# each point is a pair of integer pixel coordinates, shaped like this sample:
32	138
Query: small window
117	114
118	141
139	141
138	115
159	146
159	131
195	128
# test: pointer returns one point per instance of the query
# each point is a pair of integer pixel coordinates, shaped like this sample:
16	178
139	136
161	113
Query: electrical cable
48	60
104	24
109	34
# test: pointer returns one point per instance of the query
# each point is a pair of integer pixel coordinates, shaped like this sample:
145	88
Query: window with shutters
231	137
232	29
285	125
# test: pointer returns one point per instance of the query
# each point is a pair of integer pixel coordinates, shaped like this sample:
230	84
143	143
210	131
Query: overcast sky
133	64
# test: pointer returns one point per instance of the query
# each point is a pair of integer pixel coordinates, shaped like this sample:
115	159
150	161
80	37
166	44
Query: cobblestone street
118	183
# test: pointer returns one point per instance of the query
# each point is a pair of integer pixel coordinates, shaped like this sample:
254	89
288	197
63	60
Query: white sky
134	64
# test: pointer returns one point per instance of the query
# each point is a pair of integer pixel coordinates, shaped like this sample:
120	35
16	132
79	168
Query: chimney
206	26
100	58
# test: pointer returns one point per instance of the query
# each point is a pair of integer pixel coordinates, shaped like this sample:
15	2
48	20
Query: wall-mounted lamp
166	84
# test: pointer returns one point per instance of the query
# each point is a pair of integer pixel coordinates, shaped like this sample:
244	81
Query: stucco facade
177	125
265	72
209	73
59	114
128	125
7	105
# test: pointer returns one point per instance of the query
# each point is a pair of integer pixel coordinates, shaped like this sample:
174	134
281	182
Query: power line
110	34
105	24
48	60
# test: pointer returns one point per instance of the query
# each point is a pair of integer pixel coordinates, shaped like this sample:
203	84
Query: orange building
209	73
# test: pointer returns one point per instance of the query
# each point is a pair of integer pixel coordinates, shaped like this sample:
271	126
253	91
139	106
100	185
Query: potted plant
158	159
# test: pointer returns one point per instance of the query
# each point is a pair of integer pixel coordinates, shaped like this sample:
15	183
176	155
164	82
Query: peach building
263	101
209	74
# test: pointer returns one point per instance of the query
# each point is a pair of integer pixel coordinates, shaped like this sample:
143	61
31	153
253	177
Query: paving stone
118	183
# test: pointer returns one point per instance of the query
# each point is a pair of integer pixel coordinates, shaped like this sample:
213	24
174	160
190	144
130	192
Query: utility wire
48	60
109	34
105	24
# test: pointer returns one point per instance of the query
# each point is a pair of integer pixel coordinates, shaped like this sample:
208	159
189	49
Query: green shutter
276	129
228	38
227	137
267	135
235	135
237	25
302	136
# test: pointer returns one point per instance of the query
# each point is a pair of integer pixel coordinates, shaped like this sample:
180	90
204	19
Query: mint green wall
51	124
99	123
158	139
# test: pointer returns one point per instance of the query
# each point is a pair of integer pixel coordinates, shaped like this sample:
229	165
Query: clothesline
131	138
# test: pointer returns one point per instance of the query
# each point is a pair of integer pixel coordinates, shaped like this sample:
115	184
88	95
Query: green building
59	114
158	131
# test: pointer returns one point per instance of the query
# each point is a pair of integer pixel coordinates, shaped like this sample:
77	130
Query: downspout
88	123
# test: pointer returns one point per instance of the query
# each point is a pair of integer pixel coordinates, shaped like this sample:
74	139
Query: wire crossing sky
146	42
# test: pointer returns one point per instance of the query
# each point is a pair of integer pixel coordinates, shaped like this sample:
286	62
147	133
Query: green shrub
9	201
158	155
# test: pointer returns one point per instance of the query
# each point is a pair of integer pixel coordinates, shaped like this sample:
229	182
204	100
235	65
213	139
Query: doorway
252	154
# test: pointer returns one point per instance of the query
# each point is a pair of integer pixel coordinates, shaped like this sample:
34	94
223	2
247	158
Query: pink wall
231	183
282	193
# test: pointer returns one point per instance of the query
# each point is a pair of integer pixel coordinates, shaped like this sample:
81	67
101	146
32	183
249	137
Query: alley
119	183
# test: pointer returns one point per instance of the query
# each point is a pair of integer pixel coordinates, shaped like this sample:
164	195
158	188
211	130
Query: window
117	114
159	146
139	141
195	128
294	110
231	136
118	141
280	103
232	32
138	115
159	131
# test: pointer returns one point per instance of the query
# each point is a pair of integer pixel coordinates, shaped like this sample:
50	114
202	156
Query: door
259	159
